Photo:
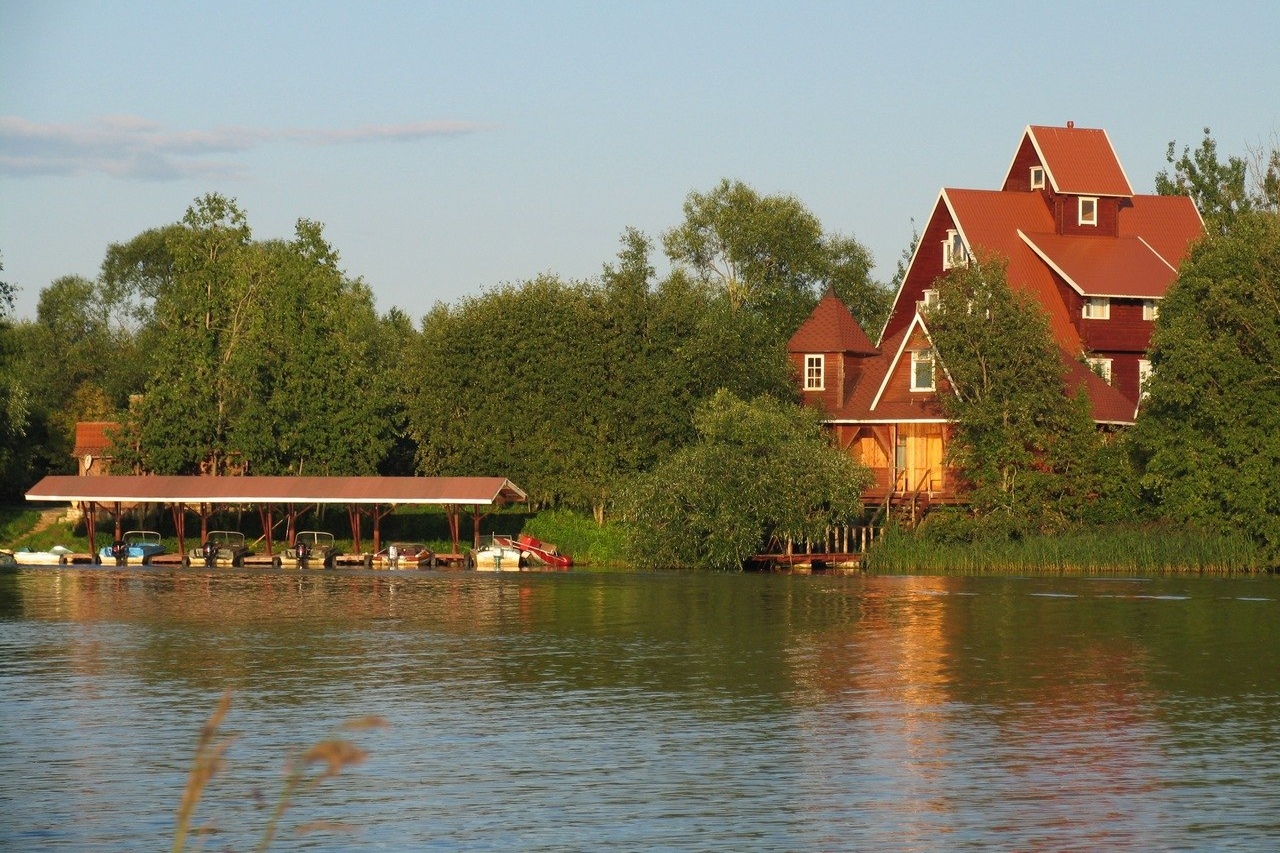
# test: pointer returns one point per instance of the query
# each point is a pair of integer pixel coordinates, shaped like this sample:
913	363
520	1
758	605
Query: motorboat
221	548
55	556
312	547
538	553
137	547
405	555
498	554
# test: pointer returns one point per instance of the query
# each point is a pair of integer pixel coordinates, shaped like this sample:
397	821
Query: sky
452	147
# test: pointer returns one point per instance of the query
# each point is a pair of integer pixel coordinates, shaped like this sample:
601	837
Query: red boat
542	553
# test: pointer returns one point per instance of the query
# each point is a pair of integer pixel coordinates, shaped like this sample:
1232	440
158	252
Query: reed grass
1108	549
304	770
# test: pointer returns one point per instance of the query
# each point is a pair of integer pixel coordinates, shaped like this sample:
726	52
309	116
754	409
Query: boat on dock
222	548
312	547
539	553
498	554
405	555
137	547
55	556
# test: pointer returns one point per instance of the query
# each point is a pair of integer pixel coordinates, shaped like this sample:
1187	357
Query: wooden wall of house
1124	374
924	272
1019	177
1125	332
1066	217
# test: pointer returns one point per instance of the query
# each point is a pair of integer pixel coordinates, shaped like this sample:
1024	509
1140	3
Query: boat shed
376	497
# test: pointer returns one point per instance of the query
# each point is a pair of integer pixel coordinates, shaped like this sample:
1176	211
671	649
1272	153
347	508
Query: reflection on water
575	711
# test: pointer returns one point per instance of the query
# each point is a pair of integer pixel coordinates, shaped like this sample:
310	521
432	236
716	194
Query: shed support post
90	522
180	525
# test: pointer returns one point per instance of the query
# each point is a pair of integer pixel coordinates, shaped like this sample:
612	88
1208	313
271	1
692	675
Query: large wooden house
1094	254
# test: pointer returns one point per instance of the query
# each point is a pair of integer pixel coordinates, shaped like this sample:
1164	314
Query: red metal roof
1116	267
1169	224
277	490
831	328
991	220
91	436
1106	404
1079	161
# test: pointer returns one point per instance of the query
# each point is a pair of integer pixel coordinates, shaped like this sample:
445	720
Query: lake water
645	712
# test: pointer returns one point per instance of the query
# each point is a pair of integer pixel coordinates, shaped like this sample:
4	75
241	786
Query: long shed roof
278	490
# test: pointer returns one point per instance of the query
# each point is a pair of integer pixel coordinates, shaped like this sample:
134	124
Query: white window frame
1102	367
954	251
1037	177
815	372
1144	373
1091	217
1150	309
928	299
1096	308
918	359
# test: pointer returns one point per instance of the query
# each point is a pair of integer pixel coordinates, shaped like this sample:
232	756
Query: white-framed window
1102	367
928	299
1088	210
1037	177
922	370
1096	308
815	372
954	253
1150	309
1144	373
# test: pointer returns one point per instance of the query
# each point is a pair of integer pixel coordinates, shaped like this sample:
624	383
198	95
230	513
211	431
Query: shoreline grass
1154	548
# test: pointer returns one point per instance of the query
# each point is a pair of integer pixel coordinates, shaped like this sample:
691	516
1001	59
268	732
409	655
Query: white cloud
133	147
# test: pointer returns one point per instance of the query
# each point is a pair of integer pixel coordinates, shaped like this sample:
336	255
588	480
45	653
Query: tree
1223	190
270	352
15	402
768	254
1208	436
759	471
569	387
1027	449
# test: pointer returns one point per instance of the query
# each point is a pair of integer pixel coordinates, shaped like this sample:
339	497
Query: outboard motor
210	554
304	551
120	551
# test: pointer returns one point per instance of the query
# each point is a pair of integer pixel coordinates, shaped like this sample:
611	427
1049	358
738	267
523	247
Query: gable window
1102	367
1150	309
1096	308
928	299
1088	211
954	254
1037	177
814	372
922	370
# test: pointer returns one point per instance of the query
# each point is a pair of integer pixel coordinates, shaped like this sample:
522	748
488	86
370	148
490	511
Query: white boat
499	554
55	556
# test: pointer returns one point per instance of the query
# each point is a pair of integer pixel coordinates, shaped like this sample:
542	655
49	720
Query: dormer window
1096	308
922	370
954	254
928	299
814	372
1088	211
1037	177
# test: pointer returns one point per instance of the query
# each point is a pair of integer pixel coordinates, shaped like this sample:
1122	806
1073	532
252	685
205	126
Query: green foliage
1208	438
760	471
1028	450
567	388
579	536
768	254
953	542
16	445
1223	189
273	362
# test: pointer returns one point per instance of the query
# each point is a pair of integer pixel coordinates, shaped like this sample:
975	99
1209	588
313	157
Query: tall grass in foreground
1093	550
332	754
